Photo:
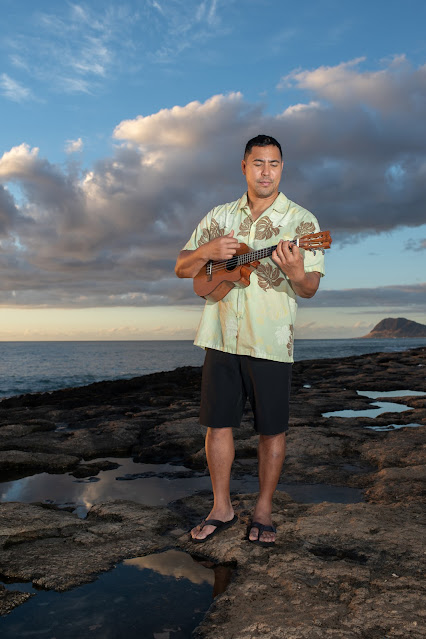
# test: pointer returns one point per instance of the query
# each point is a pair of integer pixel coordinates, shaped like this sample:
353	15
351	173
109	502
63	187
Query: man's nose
265	169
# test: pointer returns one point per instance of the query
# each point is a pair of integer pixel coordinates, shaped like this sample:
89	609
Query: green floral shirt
257	320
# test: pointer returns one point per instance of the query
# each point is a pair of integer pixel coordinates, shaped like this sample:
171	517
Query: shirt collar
279	205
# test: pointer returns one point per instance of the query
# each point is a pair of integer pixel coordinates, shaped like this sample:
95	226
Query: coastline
338	556
31	367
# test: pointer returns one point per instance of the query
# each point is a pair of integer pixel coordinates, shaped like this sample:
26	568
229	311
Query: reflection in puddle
150	485
173	563
66	490
158	596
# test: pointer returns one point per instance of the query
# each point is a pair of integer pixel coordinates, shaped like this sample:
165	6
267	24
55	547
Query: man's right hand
189	262
221	248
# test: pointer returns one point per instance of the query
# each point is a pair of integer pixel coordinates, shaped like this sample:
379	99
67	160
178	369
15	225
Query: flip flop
261	528
220	525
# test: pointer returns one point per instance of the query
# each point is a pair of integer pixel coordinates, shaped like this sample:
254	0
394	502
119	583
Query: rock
337	570
9	599
55	549
329	575
92	469
24	461
396	327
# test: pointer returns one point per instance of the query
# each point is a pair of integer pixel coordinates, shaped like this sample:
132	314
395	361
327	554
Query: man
248	334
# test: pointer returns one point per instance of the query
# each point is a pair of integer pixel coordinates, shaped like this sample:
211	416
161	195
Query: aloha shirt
257	320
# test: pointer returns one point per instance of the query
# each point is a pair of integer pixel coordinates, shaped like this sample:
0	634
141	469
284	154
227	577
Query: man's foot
262	534
261	529
214	523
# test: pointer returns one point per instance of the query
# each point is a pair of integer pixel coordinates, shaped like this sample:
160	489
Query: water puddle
393	427
148	484
379	407
150	488
397	393
160	596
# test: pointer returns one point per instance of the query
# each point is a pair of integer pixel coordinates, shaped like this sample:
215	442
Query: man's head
262	140
262	166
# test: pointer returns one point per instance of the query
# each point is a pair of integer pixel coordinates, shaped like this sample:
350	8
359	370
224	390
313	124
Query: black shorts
229	379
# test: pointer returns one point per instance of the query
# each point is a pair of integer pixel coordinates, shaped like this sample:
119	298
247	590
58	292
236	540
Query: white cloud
388	90
18	163
13	90
185	127
77	48
74	146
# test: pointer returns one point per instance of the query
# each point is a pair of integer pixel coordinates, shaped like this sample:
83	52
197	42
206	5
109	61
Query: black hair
262	140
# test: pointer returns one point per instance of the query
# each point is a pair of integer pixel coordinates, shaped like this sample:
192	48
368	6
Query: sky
124	123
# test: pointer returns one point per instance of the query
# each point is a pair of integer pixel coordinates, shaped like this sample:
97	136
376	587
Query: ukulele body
215	285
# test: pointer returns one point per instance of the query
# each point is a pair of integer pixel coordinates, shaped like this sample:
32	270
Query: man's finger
287	249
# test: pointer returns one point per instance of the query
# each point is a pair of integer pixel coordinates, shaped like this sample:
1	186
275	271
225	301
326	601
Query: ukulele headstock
314	241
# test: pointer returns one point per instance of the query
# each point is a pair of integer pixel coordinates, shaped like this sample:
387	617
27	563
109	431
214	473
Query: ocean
30	367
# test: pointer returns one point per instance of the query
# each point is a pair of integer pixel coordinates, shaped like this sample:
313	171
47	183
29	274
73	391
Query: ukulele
217	278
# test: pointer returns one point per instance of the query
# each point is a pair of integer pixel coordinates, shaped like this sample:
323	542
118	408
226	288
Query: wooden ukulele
217	278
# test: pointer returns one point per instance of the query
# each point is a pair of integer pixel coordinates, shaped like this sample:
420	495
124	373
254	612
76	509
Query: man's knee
219	433
272	445
272	439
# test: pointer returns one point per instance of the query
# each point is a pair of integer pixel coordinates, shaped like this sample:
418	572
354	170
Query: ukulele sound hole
231	264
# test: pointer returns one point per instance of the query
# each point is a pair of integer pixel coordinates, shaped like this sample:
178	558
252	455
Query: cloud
416	245
76	48
71	50
74	146
409	298
13	90
110	235
182	127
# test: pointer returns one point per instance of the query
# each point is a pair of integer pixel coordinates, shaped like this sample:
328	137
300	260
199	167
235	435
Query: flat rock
337	570
55	549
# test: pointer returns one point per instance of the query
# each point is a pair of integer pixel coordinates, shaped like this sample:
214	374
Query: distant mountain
396	327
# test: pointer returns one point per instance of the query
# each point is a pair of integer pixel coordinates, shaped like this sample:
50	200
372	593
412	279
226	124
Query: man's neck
258	205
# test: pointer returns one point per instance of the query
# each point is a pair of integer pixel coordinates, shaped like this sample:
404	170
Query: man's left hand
289	258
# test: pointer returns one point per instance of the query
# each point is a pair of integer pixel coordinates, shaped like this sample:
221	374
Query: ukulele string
245	258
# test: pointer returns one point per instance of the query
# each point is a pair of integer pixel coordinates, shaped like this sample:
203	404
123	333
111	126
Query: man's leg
220	454
271	454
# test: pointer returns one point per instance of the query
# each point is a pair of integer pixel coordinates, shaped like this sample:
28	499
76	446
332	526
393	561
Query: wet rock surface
337	570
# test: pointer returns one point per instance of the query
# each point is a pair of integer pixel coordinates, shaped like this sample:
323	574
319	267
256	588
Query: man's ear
243	166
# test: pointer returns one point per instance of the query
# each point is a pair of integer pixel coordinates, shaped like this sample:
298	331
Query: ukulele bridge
209	270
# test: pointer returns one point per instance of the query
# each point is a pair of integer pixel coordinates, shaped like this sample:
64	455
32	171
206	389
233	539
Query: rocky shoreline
338	570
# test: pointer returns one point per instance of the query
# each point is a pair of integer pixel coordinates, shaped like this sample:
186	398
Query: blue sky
124	123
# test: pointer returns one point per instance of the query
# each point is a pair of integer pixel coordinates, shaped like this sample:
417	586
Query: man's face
263	168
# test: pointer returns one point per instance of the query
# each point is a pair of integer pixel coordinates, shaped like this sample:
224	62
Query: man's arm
291	263
189	263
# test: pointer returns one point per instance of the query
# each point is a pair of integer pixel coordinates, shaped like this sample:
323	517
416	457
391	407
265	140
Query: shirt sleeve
200	235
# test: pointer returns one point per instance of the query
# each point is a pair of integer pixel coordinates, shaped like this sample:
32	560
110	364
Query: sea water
30	367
